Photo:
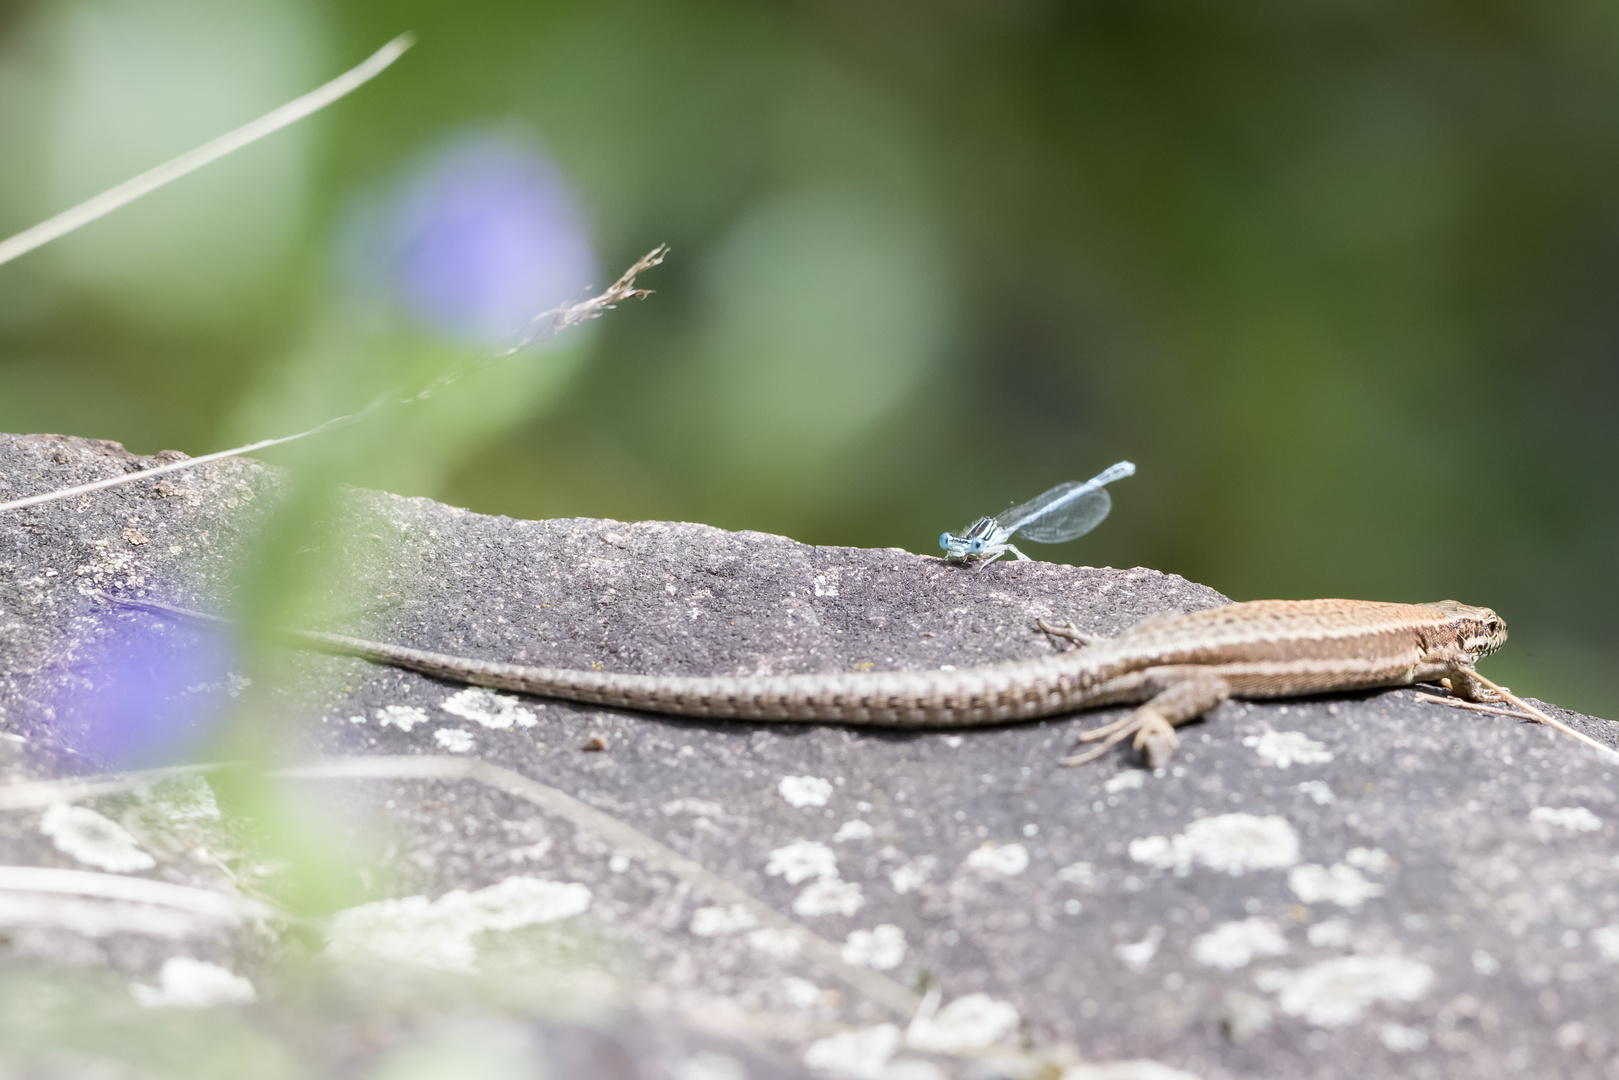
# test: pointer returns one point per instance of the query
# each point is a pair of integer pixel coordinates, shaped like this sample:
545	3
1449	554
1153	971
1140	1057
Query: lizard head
1479	631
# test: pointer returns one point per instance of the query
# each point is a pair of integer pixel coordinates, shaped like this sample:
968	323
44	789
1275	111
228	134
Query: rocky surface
1368	884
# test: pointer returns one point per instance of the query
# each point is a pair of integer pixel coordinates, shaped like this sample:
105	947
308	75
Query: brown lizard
1176	667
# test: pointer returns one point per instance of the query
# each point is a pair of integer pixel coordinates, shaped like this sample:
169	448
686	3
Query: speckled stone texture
1361	885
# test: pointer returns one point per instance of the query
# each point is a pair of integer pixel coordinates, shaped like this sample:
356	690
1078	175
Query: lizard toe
1156	741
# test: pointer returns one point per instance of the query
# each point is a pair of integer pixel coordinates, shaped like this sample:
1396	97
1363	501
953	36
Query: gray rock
1367	884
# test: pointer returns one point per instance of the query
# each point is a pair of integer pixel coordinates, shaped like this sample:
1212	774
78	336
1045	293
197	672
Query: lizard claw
1156	741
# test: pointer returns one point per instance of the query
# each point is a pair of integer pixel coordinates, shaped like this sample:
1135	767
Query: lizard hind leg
1185	697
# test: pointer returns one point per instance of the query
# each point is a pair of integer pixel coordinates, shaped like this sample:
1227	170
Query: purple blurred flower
151	696
478	238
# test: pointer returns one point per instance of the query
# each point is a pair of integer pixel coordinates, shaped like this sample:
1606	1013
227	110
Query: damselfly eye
944	541
976	547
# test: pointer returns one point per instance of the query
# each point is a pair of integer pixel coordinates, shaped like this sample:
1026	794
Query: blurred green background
1338	277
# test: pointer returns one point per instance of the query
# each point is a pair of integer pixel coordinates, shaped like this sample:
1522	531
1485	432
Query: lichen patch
1284	749
802	791
802	860
854	830
1338	992
1606	939
455	740
830	897
185	983
1006	860
403	717
1134	1069
1339	884
882	947
861	1054
1233	843
1573	818
966	1024
1125	781
439	933
1234	945
492	710
717	921
87	836
781	944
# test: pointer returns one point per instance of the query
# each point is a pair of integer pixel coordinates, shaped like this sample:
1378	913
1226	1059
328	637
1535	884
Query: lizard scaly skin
1179	666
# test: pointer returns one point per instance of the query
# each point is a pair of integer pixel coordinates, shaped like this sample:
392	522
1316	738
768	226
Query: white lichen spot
694	807
1135	1069
1008	860
89	837
184	983
1233	843
825	586
538	850
782	944
1124	781
911	876
853	830
492	710
802	860
802	791
831	897
709	1065
1372	860
1606	939
1284	748
1318	791
403	717
1403	1040
861	1054
1080	873
455	740
913	1069
1338	884
1234	945
715	921
1162	852
882	947
439	933
800	993
965	1025
1574	818
1337	992
1331	934
1138	954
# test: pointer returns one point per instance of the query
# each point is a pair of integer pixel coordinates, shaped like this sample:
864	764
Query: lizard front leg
1070	631
1465	684
1178	695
